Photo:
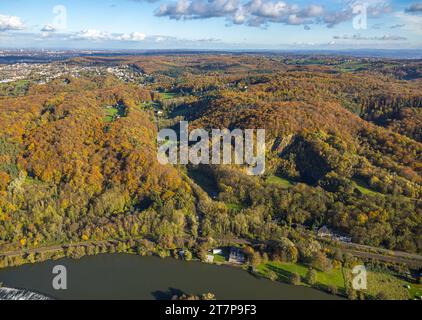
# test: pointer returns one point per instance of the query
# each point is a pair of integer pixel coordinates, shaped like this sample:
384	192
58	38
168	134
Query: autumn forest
78	157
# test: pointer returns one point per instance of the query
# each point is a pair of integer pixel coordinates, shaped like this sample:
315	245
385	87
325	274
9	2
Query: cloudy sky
211	24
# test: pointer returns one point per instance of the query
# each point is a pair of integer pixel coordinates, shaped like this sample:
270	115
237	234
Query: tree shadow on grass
283	275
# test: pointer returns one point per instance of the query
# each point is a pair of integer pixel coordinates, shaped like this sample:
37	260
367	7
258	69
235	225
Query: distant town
42	73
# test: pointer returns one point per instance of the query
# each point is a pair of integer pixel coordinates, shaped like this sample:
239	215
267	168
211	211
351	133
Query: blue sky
210	24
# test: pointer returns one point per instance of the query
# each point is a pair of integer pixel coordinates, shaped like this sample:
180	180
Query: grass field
110	114
16	88
218	258
285	270
167	95
365	190
390	286
149	104
415	291
280	181
234	206
352	66
362	187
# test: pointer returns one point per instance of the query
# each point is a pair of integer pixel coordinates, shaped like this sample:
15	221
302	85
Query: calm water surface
122	276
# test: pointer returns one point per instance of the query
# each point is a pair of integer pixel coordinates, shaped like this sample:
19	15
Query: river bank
123	276
332	282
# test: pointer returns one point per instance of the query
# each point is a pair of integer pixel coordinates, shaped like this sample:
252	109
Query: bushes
75	252
284	250
332	289
272	275
295	279
321	262
311	277
187	255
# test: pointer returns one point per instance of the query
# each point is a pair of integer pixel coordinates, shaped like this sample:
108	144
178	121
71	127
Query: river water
123	276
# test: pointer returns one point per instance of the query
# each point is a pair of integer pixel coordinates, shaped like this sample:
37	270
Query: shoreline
200	270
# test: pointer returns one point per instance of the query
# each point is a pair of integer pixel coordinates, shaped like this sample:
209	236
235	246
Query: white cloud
134	36
261	12
91	34
10	23
267	9
314	11
97	35
240	16
412	23
415	8
358	37
197	9
49	28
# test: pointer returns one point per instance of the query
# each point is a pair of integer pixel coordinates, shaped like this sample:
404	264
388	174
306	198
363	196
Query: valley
79	171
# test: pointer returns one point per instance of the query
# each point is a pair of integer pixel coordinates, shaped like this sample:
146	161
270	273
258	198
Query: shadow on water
170	294
255	275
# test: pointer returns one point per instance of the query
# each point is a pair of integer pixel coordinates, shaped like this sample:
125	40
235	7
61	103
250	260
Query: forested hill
71	171
78	154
